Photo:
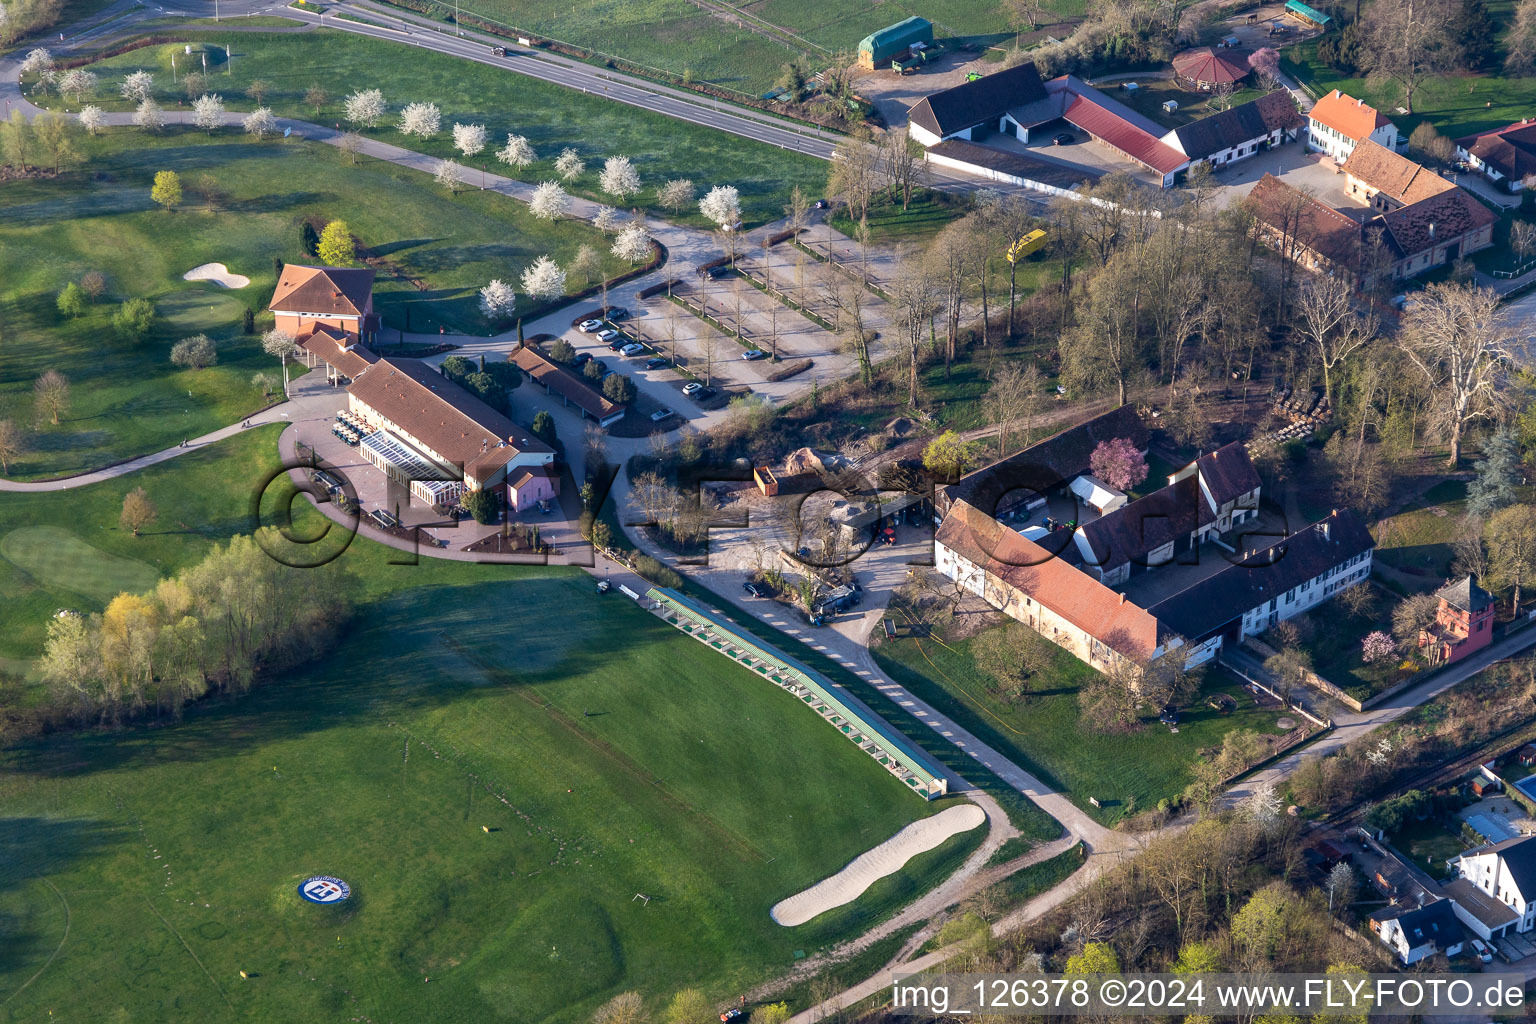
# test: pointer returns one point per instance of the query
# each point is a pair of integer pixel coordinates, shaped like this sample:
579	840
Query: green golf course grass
607	755
552	117
56	554
127	399
1043	733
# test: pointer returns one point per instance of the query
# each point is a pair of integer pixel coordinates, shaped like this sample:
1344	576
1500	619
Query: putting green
56	557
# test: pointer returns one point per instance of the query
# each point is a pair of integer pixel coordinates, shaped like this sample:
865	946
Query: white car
692	387
634	348
1481	951
661	414
607	335
589	326
754	353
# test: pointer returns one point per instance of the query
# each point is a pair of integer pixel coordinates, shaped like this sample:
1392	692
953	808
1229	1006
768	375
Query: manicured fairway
552	117
128	399
58	555
607	755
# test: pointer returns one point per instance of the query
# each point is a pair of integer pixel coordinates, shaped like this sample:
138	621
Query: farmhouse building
430	434
1241	132
1463	621
1071	587
1506	155
957	112
1338	123
1386	181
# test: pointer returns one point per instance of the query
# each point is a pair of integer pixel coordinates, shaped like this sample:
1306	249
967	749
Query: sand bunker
218	273
872	865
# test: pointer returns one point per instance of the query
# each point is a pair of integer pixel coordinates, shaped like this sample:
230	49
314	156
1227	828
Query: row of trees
217	626
49	140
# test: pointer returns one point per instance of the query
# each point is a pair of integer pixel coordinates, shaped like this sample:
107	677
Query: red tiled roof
1434	221
1126	628
558	379
1208	64
337	348
1115	131
1510	150
1319	227
1397	176
1348	116
325	290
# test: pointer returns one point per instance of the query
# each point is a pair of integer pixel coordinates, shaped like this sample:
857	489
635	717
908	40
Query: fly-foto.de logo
324	889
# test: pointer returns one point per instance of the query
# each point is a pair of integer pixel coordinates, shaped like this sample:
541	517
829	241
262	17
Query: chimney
1122	599
1431	231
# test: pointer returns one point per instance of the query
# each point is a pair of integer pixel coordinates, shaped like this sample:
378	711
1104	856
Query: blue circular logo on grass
324	889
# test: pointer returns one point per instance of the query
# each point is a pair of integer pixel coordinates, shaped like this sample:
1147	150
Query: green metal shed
878	47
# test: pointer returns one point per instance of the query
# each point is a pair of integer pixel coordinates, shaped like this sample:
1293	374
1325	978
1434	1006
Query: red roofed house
329	312
1463	622
1338	123
1386	181
1206	68
1505	154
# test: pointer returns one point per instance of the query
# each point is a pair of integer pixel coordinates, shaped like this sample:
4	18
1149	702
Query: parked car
703	393
752	589
752	354
607	334
617	343
661	414
1481	951
718	272
655	363
582	359
1063	139
822	204
589	326
618	313
634	348
602	367
692	388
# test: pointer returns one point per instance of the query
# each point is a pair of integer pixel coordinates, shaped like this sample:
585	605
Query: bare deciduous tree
50	396
1462	343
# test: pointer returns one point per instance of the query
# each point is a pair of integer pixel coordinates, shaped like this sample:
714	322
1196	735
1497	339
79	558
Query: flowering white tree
619	178
517	152
549	201
1376	646
77	84
449	175
260	123
137	86
497	300
569	165
91	118
1263	806
544	279
37	62
632	244
468	139
365	108
676	194
607	220
420	119
723	206
208	111
148	116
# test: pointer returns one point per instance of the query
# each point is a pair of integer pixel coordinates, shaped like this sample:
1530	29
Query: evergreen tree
1498	472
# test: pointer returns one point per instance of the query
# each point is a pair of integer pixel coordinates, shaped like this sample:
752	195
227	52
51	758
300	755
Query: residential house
1338	123
1506	871
529	485
1422	932
1506	155
1435	232
1463	622
435	437
1240	132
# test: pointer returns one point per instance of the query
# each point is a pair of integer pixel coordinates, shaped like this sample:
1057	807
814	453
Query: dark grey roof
1228	473
1050	463
971	103
1019	165
1242	123
1519	857
1465	595
1146	524
1204	607
1479	904
1432	924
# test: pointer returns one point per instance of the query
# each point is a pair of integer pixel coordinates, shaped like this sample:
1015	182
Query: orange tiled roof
1397	176
1348	116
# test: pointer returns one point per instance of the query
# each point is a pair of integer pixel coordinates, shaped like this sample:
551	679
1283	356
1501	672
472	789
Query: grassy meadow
1124	772
552	117
127	398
